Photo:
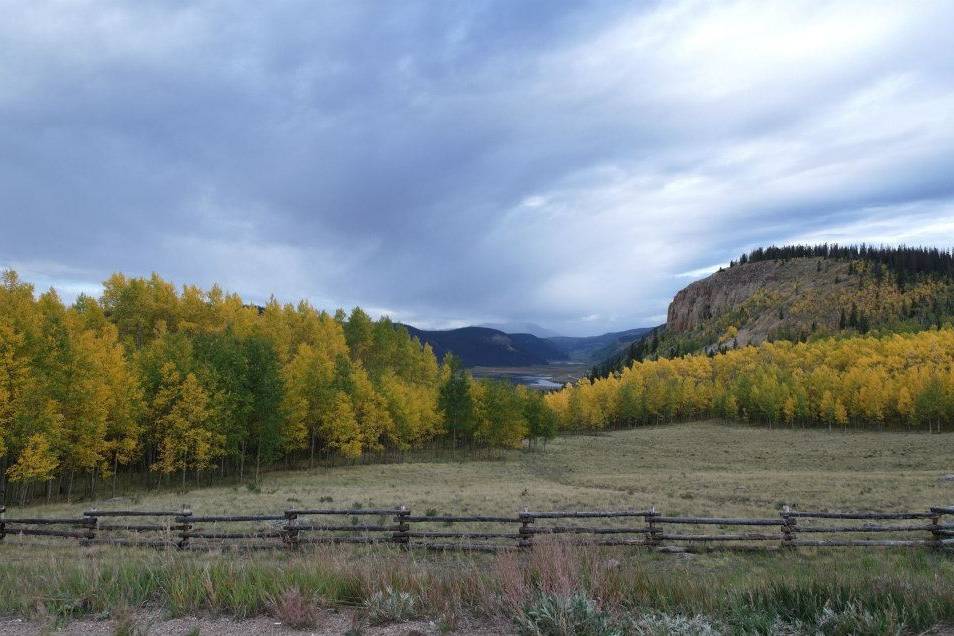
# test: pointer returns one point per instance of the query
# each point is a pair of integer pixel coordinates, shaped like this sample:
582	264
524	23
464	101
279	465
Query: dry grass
697	468
694	468
752	593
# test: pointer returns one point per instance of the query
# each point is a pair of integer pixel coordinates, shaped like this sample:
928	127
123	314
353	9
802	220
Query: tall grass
829	593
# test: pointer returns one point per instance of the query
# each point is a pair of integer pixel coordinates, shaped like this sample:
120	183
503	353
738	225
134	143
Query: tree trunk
3	480
115	472
311	460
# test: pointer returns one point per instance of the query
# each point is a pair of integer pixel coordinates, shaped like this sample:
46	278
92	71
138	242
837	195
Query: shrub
294	609
574	615
391	606
855	619
662	624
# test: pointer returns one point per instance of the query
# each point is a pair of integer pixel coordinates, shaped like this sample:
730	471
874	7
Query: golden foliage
901	381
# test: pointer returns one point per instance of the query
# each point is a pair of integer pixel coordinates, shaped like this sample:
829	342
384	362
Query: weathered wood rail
791	529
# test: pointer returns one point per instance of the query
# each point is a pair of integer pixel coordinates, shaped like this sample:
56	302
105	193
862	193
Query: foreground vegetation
696	468
554	590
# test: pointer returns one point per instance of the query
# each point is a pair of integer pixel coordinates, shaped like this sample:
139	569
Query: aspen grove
897	381
196	385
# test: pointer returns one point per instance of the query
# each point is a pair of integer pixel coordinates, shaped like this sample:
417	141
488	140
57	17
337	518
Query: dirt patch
153	624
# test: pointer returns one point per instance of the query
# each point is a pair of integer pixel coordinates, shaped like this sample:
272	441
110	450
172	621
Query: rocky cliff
797	299
766	297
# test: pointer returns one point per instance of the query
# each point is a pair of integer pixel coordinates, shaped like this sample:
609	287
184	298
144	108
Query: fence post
3	522
526	532
91	521
399	536
788	527
936	532
184	527
291	529
652	536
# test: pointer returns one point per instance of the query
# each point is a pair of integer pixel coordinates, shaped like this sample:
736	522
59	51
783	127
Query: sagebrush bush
574	615
662	624
856	620
391	606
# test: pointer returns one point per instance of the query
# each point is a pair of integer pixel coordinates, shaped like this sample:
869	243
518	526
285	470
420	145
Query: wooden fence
182	529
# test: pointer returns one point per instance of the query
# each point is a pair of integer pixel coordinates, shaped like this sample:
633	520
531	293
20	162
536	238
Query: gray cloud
465	162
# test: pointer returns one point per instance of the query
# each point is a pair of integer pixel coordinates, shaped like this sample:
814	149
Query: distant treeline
194	384
901	260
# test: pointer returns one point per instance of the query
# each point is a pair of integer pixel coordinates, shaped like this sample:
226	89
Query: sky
572	164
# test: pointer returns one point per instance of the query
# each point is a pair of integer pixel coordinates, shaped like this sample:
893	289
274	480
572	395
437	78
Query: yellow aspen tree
371	411
308	396
186	439
826	409
37	462
840	413
904	405
341	427
788	410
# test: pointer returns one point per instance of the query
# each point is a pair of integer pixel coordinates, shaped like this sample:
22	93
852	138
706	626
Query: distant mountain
595	348
481	346
521	327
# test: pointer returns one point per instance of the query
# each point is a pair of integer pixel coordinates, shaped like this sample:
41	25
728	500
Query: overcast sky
568	163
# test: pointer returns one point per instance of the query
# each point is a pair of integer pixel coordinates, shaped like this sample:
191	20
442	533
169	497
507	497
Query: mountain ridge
482	346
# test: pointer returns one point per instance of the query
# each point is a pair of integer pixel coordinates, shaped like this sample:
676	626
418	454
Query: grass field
696	468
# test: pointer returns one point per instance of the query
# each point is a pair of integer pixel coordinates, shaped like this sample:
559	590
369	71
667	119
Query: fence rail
181	529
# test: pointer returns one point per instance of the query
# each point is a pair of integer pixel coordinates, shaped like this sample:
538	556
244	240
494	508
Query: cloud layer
463	162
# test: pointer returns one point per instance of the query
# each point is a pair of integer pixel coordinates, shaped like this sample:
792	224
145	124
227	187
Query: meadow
693	468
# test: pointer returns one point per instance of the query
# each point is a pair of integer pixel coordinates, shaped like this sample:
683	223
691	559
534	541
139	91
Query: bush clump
574	615
391	606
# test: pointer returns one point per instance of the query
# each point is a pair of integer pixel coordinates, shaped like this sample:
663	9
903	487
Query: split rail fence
182	529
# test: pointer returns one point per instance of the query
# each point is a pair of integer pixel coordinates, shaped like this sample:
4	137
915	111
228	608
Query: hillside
483	346
480	346
796	294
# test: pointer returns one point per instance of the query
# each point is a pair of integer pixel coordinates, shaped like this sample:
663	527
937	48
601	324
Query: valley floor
691	468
